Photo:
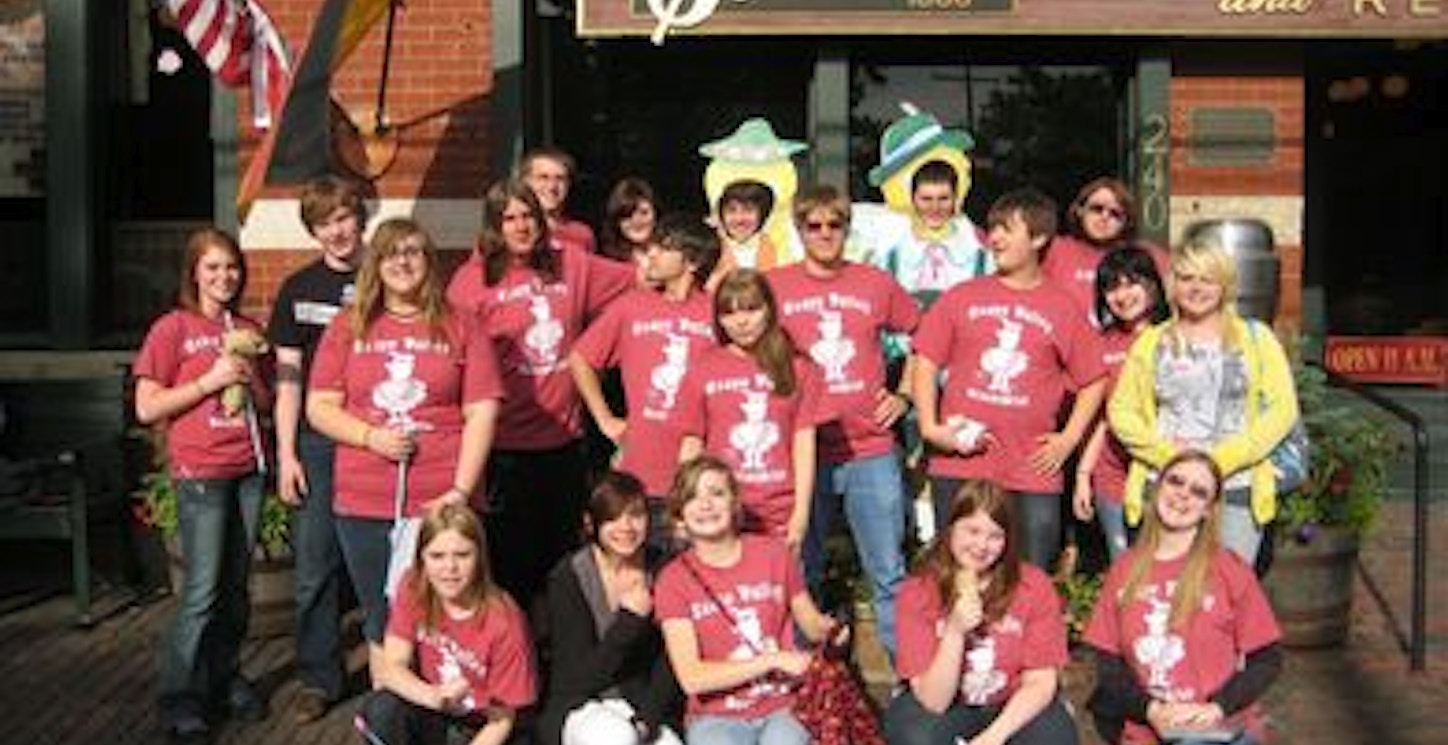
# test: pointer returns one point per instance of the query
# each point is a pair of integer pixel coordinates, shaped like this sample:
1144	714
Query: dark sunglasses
1115	213
816	226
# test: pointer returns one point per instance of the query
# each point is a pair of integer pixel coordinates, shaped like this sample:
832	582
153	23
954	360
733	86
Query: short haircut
1037	211
935	172
1132	265
822	197
549	152
322	196
689	235
752	193
616	493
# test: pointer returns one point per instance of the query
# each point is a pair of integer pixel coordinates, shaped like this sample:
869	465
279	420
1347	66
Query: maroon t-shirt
653	341
728	401
1010	357
533	326
1030	636
399	376
1189	664
489	648
573	235
201	442
756	591
837	322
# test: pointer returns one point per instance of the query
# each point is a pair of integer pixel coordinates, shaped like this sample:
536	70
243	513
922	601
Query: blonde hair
1192	584
1205	256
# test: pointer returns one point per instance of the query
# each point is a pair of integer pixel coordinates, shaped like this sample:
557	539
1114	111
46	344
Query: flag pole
386	68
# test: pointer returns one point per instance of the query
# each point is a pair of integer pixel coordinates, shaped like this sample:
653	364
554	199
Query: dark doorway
1377	142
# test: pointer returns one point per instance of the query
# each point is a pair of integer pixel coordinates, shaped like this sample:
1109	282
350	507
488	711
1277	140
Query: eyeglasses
1115	213
403	252
818	226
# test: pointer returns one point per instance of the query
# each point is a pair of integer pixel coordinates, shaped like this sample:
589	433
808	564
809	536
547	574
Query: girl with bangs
409	392
1185	638
456	663
754	402
981	636
1129	299
1207	380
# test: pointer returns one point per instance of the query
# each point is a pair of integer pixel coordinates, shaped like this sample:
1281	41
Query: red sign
1421	360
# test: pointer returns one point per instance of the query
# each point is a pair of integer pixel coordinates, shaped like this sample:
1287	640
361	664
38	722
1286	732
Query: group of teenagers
428	432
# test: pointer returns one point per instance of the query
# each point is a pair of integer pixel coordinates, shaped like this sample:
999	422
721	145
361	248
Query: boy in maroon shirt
835	312
548	171
1011	347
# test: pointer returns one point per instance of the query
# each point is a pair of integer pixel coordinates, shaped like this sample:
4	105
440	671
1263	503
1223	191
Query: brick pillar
438	99
1237	151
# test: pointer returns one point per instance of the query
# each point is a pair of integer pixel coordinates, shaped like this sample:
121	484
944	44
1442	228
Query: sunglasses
818	226
1197	491
1115	213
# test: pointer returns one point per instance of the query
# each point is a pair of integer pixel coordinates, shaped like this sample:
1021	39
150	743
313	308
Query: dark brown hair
616	493
543	259
626	197
1037	211
1123	198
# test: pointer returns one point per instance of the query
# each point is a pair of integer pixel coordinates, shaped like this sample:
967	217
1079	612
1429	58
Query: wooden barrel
1310	587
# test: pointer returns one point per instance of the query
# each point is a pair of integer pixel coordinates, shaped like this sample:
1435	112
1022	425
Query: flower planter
1310	586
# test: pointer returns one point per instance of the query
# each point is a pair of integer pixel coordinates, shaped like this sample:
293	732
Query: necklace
403	315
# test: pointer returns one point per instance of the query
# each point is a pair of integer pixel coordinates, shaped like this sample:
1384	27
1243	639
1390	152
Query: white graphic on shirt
543	335
401	392
1005	361
1159	650
449	670
665	378
832	352
981	679
752	643
754	436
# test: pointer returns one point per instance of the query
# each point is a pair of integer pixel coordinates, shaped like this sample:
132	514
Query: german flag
299	148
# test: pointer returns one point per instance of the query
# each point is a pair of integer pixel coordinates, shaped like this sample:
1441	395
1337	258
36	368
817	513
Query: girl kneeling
981	637
456	655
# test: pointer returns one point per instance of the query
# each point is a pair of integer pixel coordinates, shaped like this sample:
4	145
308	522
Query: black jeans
534	514
907	722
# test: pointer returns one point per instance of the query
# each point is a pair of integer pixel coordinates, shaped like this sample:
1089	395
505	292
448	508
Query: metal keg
1251	246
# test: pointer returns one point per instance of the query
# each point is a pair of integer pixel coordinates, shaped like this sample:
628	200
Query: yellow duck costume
754	153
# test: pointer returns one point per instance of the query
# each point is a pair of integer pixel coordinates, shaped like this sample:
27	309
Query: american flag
240	45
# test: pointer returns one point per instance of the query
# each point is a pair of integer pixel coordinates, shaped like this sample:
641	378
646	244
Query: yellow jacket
1271	412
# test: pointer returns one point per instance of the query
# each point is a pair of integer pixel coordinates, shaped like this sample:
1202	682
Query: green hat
753	142
906	138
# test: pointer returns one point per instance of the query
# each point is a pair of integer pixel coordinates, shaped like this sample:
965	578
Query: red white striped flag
240	45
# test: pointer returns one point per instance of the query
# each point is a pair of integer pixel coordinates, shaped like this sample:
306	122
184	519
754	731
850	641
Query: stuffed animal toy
246	343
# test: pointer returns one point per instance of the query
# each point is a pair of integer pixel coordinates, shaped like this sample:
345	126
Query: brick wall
438	100
1271	187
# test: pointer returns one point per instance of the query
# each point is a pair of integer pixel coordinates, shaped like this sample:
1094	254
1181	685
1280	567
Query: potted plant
273	570
1320	524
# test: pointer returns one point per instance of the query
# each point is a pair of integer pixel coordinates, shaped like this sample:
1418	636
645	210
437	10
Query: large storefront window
1049	120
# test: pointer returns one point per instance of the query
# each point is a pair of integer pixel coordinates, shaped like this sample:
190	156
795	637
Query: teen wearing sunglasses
1101	217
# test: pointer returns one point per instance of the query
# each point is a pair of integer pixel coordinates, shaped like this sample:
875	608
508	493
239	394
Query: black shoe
189	730
243	704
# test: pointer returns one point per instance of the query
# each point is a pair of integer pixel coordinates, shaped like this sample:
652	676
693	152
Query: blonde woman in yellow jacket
1207	379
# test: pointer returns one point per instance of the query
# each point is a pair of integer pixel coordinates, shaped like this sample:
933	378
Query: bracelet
366	435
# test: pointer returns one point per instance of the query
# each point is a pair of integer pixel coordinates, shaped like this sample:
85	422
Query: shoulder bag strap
713	598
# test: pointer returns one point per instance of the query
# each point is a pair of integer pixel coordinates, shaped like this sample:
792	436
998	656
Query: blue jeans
1240	531
874	501
907	722
367	550
1111	516
1037	516
661	529
319	571
217	529
776	728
